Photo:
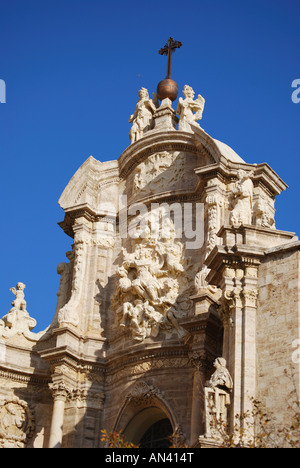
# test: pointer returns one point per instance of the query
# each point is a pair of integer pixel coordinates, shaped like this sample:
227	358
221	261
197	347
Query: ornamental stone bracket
143	394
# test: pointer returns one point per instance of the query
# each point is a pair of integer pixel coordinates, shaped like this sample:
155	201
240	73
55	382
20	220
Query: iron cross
169	48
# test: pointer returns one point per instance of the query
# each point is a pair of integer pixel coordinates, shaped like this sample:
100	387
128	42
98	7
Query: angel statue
142	119
187	106
19	303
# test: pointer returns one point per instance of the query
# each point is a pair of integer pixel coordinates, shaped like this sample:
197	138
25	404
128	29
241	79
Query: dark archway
158	435
150	427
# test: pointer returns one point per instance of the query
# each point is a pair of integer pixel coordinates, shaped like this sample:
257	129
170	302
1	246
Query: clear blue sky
73	69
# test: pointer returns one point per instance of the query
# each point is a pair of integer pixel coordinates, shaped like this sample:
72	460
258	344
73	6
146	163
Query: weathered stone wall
277	328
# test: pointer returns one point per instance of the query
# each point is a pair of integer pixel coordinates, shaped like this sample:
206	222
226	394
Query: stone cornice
290	247
263	174
86	212
237	256
24	376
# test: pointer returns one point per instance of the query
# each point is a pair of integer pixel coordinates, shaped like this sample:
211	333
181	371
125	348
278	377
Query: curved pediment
91	186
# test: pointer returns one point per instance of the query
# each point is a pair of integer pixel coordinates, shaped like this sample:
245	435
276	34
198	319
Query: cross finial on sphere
168	88
169	48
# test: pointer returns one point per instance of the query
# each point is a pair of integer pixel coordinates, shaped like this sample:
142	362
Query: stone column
250	294
232	316
238	313
56	431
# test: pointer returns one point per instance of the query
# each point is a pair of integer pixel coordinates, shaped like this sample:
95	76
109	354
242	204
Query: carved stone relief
242	199
17	423
264	213
160	171
153	286
142	393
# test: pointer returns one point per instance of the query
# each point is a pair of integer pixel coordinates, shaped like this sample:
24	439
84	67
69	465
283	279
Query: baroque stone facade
176	267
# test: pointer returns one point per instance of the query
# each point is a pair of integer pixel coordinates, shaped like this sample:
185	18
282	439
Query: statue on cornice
18	320
142	119
19	303
186	108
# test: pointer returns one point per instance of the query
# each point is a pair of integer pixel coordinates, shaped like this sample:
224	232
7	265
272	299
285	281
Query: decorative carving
153	286
264	214
17	423
250	297
242	194
69	312
217	398
60	390
142	119
212	203
187	106
201	360
159	170
18	320
231	299
143	393
201	283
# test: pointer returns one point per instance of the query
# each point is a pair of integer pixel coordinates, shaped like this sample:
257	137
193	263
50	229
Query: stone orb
167	88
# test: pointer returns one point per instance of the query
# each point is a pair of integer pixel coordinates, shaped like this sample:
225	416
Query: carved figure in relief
133	316
186	108
217	398
16	424
264	214
142	118
150	295
242	194
146	285
159	171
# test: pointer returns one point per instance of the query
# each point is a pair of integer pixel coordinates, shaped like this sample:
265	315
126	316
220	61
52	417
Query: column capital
60	390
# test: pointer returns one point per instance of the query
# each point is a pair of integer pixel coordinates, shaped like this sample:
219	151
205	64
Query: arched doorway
150	428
